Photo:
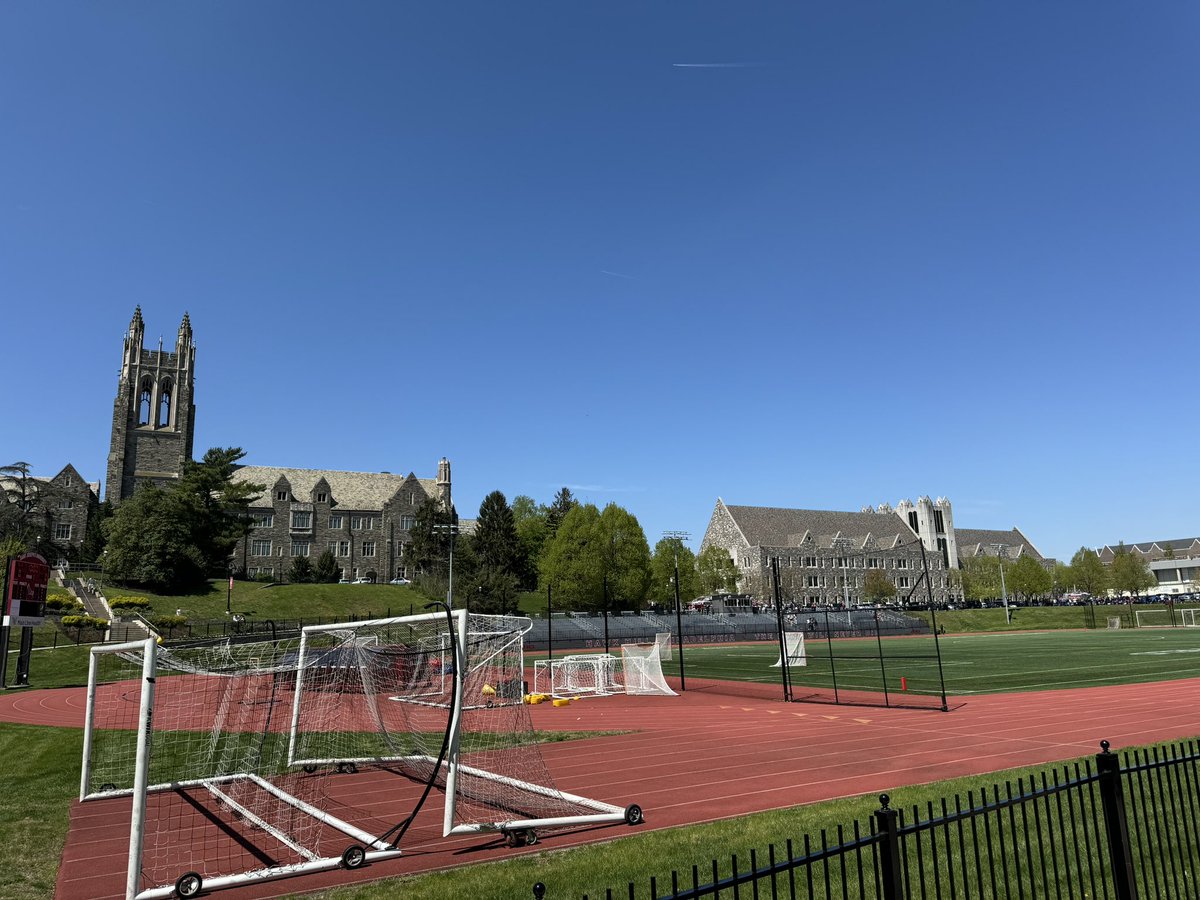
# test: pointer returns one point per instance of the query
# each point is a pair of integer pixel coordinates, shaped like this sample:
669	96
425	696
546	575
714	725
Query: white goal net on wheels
641	667
1114	623
793	642
663	640
228	750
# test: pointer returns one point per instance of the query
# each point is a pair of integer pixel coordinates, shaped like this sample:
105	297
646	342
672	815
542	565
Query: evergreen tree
495	541
327	570
564	501
300	571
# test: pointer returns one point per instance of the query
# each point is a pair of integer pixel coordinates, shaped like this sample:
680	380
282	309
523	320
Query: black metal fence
1116	826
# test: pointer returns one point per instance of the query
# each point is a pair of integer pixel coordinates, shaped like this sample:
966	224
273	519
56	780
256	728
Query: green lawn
256	600
971	663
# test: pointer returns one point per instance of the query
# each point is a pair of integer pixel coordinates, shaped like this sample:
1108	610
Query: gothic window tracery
144	403
164	405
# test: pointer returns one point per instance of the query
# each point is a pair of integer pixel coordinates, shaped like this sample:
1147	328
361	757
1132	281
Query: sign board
25	594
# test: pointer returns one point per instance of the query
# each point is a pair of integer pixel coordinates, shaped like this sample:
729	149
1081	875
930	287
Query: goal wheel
633	815
514	838
188	885
531	837
347	768
107	786
354	856
310	769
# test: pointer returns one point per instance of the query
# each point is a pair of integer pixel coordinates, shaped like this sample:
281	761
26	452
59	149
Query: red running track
693	758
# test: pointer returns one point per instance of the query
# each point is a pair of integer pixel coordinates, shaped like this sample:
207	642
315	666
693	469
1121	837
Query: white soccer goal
578	675
641	667
1114	622
1166	618
663	640
793	643
228	750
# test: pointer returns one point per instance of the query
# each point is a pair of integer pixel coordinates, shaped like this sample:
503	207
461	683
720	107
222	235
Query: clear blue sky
881	250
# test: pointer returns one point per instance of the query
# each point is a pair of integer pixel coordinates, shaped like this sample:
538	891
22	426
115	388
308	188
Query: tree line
588	558
1027	579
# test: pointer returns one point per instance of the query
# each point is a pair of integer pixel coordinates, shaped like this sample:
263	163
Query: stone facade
64	505
824	556
154	414
363	518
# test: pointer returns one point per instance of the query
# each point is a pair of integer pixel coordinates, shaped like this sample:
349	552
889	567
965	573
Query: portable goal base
221	739
117	772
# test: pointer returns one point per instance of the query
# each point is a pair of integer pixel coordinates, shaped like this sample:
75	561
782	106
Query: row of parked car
365	580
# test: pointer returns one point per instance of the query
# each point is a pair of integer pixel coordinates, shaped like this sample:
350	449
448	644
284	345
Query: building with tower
154	414
824	556
363	518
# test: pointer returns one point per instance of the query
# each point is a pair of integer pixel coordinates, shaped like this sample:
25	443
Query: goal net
793	642
663	640
641	666
228	750
1166	618
579	675
1114	623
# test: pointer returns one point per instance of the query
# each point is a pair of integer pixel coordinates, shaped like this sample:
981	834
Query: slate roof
350	490
976	541
767	526
1150	548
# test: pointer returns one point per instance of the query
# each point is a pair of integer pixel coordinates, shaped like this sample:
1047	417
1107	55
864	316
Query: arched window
144	403
164	405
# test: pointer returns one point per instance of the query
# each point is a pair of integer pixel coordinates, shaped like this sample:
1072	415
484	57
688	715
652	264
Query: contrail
725	65
615	274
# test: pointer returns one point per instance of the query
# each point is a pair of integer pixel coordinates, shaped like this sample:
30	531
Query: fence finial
1104	745
539	891
884	800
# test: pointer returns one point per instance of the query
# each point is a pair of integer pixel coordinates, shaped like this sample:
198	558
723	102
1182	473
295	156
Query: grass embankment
256	600
37	789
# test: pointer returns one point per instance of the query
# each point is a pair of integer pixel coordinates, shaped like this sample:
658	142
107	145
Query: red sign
25	598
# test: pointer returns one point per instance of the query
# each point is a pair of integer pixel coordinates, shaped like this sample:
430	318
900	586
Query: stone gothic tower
154	416
443	483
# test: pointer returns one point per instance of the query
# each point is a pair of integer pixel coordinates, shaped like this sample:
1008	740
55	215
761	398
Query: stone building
60	507
154	416
363	518
824	555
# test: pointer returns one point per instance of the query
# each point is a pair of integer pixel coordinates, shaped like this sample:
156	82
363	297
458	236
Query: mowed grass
971	663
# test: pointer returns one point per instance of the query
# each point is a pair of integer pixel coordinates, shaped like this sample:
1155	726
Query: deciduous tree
878	588
1088	572
662	573
1129	573
1029	578
717	572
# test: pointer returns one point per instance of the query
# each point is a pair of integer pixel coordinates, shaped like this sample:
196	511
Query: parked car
362	581
399	581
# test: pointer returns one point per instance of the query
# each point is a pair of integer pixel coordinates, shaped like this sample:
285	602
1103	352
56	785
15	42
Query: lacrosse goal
793	642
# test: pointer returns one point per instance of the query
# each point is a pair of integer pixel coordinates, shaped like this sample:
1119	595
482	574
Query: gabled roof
982	541
350	490
767	526
1152	548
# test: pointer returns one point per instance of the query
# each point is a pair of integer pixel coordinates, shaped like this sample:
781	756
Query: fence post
1112	796
888	828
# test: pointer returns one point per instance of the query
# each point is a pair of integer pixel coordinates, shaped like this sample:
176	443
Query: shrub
167	622
84	621
61	603
129	603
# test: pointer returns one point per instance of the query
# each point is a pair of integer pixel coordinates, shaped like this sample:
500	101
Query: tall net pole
679	536
937	647
785	671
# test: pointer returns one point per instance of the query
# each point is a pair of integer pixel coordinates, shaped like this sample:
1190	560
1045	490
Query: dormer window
281	495
322	497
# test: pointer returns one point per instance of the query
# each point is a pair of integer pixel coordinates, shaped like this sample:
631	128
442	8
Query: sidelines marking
1165	652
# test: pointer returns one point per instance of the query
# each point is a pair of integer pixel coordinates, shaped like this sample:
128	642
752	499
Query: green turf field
972	664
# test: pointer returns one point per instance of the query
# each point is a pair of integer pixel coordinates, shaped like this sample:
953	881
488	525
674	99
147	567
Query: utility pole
451	530
678	537
1000	548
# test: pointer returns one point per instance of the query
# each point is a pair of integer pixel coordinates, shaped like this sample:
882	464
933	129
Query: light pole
1003	590
451	530
842	545
677	537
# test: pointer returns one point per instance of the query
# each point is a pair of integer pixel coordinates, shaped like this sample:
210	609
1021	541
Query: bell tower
154	416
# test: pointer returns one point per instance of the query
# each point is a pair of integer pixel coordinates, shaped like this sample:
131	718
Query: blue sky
881	250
